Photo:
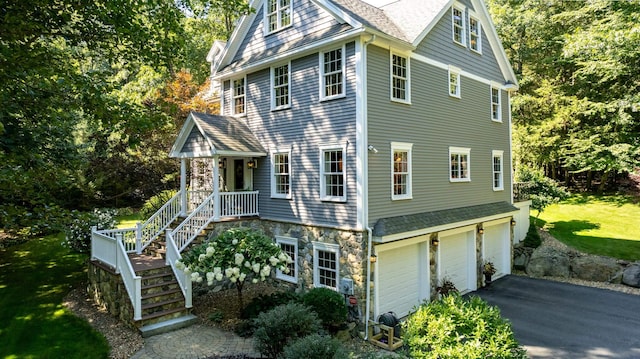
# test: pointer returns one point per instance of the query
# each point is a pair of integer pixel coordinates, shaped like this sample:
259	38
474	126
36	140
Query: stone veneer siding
107	290
353	249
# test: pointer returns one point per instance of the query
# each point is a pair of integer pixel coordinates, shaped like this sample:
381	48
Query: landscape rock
594	268
548	261
631	275
521	256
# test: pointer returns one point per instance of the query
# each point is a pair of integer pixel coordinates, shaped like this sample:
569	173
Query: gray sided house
370	138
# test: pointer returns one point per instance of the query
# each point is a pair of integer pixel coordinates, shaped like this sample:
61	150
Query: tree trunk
603	182
589	180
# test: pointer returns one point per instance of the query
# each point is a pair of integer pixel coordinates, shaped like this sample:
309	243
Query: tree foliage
578	109
543	191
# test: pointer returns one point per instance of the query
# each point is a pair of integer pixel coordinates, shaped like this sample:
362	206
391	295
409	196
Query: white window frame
274	183
406	79
497	105
287	276
323	174
460	151
402	147
329	248
278	12
454	72
324	75
478	35
462	26
235	96
274	87
500	172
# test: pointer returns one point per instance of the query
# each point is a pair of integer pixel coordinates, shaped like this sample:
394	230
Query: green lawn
34	278
604	225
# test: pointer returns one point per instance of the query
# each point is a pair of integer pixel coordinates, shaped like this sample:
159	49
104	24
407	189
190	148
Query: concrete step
168	325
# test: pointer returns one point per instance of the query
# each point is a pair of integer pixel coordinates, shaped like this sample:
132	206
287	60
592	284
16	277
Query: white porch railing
238	204
189	229
157	223
173	255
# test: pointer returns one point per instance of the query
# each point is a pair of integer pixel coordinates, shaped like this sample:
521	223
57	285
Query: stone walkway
196	341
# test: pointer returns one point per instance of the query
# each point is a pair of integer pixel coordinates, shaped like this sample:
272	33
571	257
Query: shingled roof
414	222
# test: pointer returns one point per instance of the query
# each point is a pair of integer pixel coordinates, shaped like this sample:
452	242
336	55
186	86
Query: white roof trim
337	13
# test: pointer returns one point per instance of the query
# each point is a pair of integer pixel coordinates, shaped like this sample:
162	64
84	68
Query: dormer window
278	15
458	17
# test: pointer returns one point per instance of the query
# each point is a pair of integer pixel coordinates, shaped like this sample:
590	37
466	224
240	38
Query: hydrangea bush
78	231
239	255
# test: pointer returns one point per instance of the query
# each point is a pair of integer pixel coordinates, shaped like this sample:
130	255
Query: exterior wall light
480	230
373	258
222	163
252	164
513	222
435	242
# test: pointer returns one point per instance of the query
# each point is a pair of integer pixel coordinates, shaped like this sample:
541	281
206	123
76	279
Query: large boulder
631	275
521	255
594	268
549	261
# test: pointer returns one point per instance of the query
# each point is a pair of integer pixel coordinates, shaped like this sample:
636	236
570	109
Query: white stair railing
154	226
132	282
173	255
189	229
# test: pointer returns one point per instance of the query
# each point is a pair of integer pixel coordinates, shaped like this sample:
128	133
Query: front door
238	170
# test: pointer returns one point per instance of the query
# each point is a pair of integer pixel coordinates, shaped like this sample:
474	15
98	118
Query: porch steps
158	248
163	304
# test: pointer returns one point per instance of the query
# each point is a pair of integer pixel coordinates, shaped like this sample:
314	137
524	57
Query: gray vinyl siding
310	23
195	142
433	122
439	45
306	126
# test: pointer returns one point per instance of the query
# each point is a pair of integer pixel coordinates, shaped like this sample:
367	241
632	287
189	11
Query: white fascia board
496	44
340	15
240	32
466	74
182	136
440	228
301	51
433	23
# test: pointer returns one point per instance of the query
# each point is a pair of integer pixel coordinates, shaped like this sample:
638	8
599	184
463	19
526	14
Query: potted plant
447	287
488	269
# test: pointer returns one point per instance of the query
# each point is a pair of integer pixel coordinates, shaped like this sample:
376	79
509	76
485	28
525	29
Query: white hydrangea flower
273	260
234	242
254	280
242	277
236	271
195	276
202	257
233	279
217	270
219	276
239	258
210	276
210	251
256	267
247	264
228	272
282	257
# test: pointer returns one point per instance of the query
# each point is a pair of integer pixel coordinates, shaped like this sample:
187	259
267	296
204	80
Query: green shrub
532	239
329	305
458	328
78	232
282	325
264	303
153	204
315	346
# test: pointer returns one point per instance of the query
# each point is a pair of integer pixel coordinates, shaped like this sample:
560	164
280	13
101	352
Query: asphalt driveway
560	321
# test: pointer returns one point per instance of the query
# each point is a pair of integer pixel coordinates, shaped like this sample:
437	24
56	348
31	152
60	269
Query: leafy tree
542	190
227	11
238	255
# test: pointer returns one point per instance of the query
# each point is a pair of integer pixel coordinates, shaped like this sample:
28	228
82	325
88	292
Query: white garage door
496	247
402	279
457	260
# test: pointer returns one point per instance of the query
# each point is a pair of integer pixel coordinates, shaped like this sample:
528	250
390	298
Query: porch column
183	186
216	189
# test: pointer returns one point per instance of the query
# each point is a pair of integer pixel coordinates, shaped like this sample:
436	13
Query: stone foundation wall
353	249
107	290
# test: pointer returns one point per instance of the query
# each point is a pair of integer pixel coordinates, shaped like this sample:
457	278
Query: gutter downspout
366	192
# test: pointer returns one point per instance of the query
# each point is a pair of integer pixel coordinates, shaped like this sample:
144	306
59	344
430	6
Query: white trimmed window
239	96
458	21
401	170
290	247
459	164
475	34
496	160
326	265
333	175
400	87
281	174
277	15
454	82
496	108
332	74
280	93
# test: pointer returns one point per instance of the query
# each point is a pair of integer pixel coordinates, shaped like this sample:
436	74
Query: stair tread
159	304
159	294
162	313
148	286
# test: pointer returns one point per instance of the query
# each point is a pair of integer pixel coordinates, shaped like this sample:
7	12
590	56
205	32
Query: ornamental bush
282	325
329	305
265	302
458	328
153	204
239	255
78	231
315	346
532	239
